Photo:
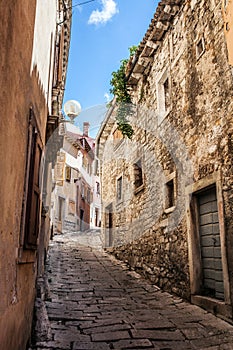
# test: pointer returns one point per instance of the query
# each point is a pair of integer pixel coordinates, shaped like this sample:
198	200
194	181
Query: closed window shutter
68	173
34	197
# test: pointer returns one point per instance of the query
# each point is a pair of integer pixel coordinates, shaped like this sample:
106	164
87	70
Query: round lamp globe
72	109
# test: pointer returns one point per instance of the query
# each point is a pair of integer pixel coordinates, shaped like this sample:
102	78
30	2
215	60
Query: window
200	47
163	96
68	174
170	198
97	187
32	206
119	188
82	191
89	168
138	174
166	94
170	193
88	195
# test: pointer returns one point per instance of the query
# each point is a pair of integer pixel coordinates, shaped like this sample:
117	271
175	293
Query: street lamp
72	109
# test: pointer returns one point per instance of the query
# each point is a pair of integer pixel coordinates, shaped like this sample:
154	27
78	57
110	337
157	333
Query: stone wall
182	142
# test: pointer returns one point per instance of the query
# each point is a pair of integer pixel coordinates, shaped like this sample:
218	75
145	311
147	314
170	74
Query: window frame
138	187
97	187
170	204
32	201
119	180
68	174
162	109
197	42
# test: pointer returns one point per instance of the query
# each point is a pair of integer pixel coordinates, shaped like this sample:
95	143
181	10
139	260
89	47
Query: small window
119	188
68	174
200	47
170	194
138	175
97	187
82	191
164	96
88	195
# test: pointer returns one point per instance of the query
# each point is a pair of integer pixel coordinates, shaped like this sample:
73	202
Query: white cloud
107	97
103	16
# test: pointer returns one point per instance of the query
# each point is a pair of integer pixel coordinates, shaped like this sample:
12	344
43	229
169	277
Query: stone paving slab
93	301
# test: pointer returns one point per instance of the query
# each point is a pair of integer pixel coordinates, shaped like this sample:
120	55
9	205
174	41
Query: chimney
86	126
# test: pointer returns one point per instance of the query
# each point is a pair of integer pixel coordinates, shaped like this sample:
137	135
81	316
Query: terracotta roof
82	142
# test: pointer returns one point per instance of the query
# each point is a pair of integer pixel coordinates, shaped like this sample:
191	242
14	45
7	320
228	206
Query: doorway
61	212
210	246
109	238
81	220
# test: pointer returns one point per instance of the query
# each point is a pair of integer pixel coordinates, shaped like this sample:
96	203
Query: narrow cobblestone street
93	301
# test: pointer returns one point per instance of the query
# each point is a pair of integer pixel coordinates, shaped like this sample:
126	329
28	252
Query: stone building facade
34	51
167	193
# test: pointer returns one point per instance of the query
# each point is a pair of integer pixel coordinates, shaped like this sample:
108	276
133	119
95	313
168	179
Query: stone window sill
169	210
163	115
119	201
139	189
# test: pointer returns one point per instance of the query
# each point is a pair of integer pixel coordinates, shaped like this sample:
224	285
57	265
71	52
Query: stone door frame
222	308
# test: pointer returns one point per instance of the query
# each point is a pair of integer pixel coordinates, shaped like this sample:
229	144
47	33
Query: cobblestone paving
93	301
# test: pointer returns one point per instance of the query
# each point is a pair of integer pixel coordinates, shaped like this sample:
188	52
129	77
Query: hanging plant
123	99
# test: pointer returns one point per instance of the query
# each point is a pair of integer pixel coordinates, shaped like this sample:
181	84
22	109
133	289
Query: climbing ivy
120	91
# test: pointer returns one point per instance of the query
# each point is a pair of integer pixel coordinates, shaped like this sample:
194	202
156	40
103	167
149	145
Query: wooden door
211	260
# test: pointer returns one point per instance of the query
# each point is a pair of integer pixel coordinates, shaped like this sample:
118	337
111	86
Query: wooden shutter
33	208
68	173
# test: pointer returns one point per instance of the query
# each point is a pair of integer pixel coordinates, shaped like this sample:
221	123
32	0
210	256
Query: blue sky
102	32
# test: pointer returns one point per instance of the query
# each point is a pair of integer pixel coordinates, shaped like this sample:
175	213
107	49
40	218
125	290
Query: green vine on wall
120	91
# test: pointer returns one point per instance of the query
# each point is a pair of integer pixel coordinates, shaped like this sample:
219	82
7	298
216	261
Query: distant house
167	192
76	195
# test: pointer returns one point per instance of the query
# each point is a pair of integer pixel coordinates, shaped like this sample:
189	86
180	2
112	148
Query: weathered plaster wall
43	44
192	139
19	92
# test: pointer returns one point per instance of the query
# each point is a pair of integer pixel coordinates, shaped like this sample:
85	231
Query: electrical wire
83	3
71	7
